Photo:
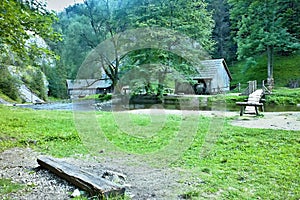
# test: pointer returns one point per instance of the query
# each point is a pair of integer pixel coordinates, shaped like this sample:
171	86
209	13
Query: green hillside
286	68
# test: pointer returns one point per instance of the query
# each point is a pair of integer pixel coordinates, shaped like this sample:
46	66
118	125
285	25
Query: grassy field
242	164
286	68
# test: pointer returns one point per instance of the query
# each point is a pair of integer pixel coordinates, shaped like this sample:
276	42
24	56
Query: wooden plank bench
254	104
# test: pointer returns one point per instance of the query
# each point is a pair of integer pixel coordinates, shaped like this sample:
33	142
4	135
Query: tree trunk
270	51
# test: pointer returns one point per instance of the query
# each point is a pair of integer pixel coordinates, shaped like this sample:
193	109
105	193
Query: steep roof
88	84
208	68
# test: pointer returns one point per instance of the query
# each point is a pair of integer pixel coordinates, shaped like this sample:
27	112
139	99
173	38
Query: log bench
256	105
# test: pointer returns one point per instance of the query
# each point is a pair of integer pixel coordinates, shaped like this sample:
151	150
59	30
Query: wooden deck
252	104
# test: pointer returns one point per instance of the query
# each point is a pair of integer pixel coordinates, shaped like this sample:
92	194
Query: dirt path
269	120
143	181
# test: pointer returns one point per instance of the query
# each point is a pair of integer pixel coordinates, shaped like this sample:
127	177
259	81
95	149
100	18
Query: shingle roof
208	68
88	84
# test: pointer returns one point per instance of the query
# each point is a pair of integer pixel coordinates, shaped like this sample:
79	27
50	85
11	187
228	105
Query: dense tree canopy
22	20
86	25
232	29
263	26
225	47
24	28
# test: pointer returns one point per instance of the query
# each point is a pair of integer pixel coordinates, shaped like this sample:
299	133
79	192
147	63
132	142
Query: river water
107	106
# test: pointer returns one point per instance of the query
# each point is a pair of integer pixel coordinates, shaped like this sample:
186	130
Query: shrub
8	84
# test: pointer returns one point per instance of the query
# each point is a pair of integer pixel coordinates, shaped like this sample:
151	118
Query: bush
8	84
34	80
105	97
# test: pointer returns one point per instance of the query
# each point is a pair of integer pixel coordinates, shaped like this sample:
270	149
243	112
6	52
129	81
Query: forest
179	146
42	45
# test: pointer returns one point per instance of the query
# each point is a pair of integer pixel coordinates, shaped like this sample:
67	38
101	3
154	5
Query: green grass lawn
242	164
286	68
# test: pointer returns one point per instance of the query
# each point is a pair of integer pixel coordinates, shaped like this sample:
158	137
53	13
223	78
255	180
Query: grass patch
248	164
7	99
243	163
286	68
7	186
139	134
99	97
280	96
52	132
284	96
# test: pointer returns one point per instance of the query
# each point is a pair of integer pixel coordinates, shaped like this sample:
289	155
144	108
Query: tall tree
94	21
225	46
185	16
260	26
87	25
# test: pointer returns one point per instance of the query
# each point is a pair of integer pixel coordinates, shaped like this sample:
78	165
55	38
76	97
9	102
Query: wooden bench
254	104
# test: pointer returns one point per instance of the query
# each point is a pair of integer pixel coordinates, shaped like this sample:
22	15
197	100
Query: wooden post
242	110
250	86
256	111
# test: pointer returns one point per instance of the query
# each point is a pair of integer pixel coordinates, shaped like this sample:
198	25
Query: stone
76	193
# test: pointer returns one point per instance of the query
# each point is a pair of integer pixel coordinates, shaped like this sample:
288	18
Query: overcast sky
59	5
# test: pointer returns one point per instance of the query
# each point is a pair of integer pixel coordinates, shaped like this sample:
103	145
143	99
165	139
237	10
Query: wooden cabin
84	87
213	77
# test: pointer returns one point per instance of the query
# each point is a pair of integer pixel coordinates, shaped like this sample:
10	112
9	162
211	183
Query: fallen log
87	181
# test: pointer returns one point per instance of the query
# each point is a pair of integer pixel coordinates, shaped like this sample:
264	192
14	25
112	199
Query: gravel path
20	165
271	120
143	182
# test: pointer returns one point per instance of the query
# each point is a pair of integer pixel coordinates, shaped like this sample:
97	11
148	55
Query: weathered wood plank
249	104
85	180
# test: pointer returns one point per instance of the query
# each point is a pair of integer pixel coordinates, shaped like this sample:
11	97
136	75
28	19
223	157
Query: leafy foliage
225	46
150	70
22	20
56	77
8	84
285	69
90	23
261	26
188	17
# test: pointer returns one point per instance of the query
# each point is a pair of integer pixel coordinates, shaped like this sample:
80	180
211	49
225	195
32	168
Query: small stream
106	106
271	108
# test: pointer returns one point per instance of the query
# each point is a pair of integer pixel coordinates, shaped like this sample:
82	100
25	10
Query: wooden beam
87	181
248	104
